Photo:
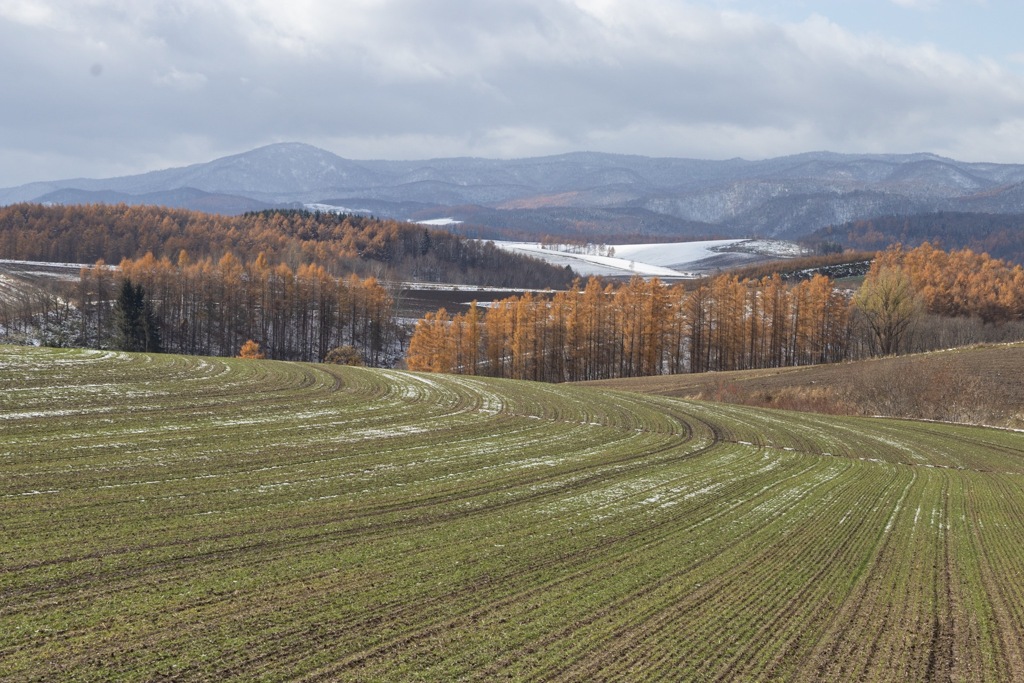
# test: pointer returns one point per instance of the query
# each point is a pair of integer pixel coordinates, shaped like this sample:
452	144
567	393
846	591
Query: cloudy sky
97	88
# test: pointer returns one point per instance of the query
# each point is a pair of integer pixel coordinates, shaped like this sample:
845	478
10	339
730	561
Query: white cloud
410	79
27	12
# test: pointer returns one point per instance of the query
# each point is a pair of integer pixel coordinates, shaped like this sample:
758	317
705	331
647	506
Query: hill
221	519
597	197
976	384
342	244
999	235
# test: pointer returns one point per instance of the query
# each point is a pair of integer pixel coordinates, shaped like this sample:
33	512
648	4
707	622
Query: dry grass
978	385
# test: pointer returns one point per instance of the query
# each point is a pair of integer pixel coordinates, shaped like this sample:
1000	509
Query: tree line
960	282
903	287
999	235
207	307
643	327
342	244
597	331
910	300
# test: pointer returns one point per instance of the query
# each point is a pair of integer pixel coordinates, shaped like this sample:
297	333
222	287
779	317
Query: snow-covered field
439	222
665	259
47	266
332	208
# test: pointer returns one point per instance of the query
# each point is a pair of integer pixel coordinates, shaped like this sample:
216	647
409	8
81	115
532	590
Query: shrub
344	355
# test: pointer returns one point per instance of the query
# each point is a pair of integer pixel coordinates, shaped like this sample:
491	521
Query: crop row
227	519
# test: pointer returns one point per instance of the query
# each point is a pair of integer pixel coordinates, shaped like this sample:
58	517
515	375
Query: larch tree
251	350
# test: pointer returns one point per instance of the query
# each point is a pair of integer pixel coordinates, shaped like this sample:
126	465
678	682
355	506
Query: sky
100	88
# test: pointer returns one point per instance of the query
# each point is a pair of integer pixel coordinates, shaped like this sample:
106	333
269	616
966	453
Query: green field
164	517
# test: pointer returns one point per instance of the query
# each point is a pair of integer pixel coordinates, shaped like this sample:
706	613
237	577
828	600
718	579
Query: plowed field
181	518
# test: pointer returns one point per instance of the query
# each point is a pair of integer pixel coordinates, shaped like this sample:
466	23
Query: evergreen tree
135	324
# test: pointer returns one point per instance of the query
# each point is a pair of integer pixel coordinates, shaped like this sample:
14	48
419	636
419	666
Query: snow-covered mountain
581	193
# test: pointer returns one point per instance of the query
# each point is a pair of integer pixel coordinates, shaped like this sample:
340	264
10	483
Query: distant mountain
580	194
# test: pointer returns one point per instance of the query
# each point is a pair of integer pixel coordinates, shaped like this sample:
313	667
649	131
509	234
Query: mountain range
582	194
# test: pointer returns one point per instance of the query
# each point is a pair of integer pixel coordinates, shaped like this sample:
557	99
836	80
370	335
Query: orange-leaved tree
250	349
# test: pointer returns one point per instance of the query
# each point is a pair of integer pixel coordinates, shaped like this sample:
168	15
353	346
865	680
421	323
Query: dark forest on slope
1000	236
342	244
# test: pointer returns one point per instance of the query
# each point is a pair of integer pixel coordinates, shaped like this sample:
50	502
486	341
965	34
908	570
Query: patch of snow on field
449	287
899	503
265	419
710	488
593	264
378	433
331	208
37	414
660	259
675	255
774	247
439	221
48	264
30	493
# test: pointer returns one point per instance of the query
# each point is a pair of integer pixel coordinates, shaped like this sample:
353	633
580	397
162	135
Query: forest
302	284
999	235
212	308
597	331
297	283
341	244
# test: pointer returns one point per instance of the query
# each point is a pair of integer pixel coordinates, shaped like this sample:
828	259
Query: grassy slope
223	519
988	375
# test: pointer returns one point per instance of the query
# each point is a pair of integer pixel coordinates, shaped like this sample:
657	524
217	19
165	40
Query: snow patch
439	221
659	259
331	208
